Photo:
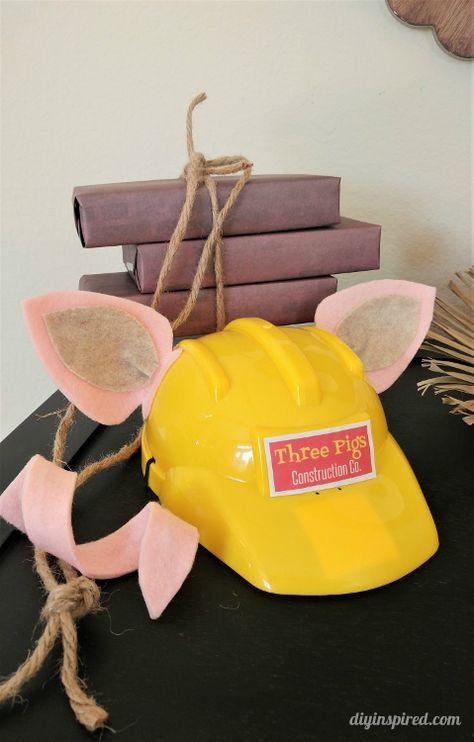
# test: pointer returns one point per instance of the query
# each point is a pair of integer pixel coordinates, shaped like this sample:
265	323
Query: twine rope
66	602
199	171
76	596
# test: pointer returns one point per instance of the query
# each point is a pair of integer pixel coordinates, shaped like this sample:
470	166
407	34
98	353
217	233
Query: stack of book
282	242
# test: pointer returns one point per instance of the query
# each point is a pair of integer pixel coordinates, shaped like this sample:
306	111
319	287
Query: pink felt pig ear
106	354
384	322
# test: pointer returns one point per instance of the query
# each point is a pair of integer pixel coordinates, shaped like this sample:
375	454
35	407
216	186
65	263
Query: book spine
348	247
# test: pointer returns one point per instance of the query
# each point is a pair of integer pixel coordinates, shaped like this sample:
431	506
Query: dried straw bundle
451	335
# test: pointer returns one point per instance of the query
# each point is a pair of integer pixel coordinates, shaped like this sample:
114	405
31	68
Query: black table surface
228	662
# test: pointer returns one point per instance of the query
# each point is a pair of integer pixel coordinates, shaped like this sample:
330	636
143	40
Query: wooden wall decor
452	21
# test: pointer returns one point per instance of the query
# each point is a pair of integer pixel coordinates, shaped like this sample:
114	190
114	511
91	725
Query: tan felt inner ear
103	345
380	330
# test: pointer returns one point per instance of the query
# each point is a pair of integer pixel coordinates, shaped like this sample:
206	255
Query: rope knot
77	597
196	167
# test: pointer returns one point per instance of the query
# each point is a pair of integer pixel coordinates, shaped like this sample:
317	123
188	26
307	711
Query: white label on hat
320	459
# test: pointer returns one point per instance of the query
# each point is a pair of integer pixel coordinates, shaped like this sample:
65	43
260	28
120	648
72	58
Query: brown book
134	213
343	248
279	302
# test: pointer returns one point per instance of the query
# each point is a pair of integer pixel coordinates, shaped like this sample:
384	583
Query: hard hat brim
340	540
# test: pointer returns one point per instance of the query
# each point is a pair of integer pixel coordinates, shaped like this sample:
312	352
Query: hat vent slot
291	363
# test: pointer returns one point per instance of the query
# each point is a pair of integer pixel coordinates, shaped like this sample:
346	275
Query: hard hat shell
203	453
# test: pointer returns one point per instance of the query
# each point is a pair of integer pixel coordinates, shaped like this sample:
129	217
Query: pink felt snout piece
157	543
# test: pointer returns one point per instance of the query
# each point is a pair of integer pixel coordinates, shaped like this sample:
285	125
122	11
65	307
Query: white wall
96	92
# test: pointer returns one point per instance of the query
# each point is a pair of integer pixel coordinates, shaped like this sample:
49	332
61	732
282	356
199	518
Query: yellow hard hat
273	443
